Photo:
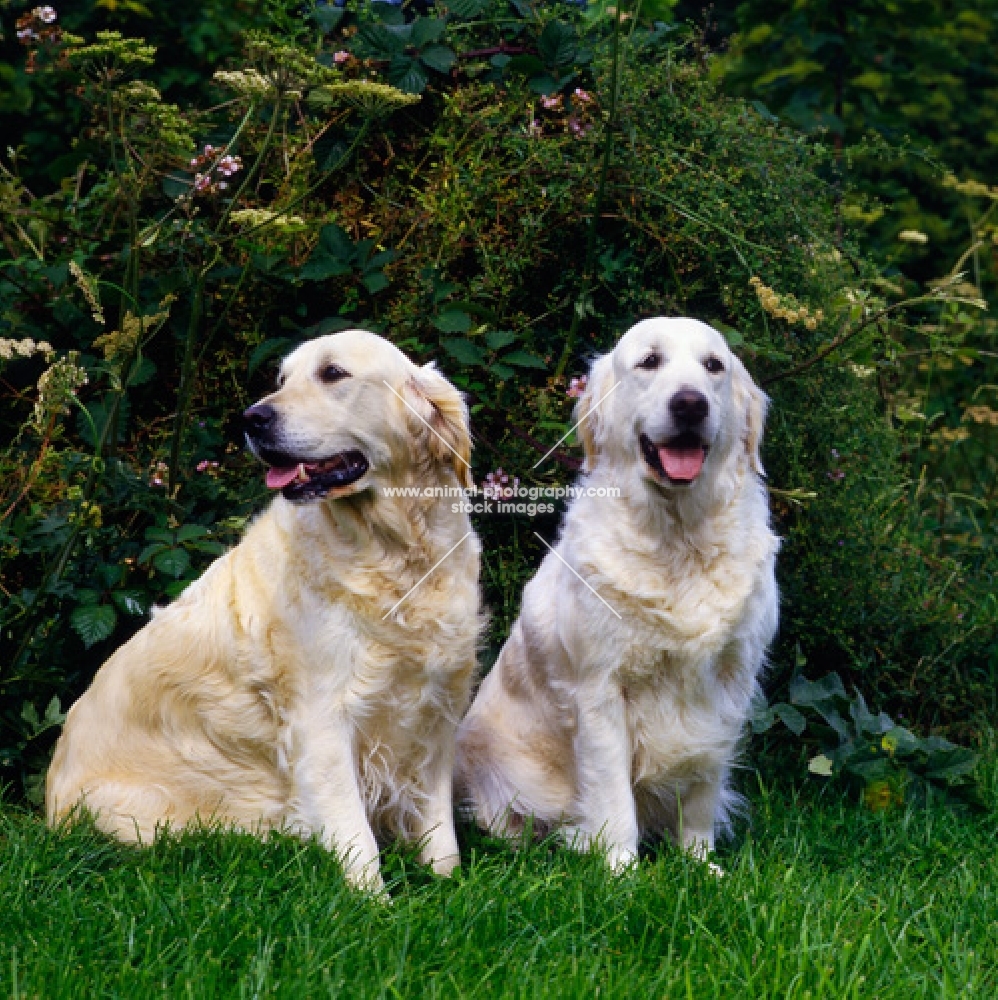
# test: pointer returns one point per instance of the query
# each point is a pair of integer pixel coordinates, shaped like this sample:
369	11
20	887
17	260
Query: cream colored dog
616	705
314	677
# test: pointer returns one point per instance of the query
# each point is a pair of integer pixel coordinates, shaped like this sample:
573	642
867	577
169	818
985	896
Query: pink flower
581	96
228	165
45	14
340	57
577	128
577	387
202	183
551	102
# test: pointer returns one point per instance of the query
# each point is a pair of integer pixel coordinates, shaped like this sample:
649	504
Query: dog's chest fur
683	611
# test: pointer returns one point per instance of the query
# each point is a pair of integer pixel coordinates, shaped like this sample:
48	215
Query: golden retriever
616	704
313	678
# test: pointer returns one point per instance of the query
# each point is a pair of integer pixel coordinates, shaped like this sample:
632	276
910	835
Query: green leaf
267	350
464	351
524	359
331	324
187	532
94	622
557	44
544	84
948	765
466	9
498	339
501	372
805	692
406	73
131	602
336	242
375	281
525	64
426	30
731	335
385	41
321	266
172	562
149	551
438	57
54	715
452	321
791	718
328	17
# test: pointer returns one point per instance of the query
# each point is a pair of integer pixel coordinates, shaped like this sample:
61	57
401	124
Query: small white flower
45	14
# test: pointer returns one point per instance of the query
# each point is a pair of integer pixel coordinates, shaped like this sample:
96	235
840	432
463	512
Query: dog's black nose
258	418
688	407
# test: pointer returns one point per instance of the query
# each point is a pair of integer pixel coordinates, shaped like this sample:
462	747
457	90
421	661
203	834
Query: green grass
822	899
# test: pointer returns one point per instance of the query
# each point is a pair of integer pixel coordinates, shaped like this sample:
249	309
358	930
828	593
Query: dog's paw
621	859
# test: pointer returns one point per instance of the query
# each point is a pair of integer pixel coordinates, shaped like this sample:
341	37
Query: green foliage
892	763
503	228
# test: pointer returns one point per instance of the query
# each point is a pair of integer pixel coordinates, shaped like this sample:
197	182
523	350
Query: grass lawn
822	899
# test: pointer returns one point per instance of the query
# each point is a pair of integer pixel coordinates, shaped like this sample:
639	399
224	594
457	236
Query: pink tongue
277	479
681	463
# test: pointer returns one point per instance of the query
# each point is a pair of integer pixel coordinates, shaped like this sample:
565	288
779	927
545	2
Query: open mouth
679	460
308	480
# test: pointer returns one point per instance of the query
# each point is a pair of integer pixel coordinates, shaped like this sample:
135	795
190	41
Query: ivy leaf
172	562
464	351
438	57
524	359
452	321
94	622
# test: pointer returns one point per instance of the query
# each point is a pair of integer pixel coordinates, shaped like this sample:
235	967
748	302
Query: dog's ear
751	403
438	417
591	414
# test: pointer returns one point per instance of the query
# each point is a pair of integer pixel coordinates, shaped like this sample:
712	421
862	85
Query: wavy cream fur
275	692
616	727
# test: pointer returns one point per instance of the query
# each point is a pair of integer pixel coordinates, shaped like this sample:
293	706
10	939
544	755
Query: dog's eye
713	365
332	373
650	361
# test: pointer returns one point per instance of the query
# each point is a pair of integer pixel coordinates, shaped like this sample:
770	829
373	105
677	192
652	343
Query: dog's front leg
606	814
435	829
697	807
326	797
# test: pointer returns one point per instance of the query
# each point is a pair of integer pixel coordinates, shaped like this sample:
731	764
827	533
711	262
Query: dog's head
673	397
352	411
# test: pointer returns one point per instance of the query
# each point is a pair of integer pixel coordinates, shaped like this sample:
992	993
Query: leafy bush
892	763
507	212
